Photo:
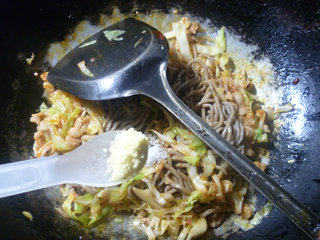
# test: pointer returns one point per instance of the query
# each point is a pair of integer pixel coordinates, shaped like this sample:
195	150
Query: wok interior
287	33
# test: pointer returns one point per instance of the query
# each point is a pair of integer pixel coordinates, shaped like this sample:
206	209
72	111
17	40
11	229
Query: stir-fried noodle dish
192	189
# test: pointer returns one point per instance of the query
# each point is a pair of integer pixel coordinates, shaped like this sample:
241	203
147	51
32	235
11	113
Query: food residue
138	42
83	68
88	43
28	215
113	35
291	161
296	81
31	58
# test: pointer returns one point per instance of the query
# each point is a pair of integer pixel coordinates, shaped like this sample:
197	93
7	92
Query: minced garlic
129	152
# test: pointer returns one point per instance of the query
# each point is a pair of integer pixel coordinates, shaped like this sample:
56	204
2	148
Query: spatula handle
28	175
308	221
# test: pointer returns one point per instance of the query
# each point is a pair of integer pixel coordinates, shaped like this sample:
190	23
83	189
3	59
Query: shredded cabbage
80	208
62	109
240	190
181	34
248	98
260	136
284	108
192	199
85	199
43	107
58	142
219	47
83	68
113	34
97	119
88	43
209	162
71	117
221	40
199	227
184	233
208	49
245	224
192	152
226	64
274	114
261	214
120	193
197	182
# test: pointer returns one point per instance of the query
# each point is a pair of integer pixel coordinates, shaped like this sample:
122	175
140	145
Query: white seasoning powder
156	152
128	153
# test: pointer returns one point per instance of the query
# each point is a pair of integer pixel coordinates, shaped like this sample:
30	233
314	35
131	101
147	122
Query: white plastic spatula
86	165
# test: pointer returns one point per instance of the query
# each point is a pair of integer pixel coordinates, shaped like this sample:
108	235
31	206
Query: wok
287	32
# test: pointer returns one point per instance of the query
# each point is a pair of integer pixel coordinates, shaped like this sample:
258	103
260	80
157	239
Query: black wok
288	32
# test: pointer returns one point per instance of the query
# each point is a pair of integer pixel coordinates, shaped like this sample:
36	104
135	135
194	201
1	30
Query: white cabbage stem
199	228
